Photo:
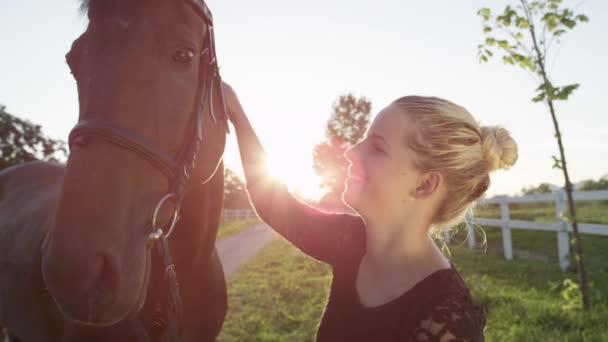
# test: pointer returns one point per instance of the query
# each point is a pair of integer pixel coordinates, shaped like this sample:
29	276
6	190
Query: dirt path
235	250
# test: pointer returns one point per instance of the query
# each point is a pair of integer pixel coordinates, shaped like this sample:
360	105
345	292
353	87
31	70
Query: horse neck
195	232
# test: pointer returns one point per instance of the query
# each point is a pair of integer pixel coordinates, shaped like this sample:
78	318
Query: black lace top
438	308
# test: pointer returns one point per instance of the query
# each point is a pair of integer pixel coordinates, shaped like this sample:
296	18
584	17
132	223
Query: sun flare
301	180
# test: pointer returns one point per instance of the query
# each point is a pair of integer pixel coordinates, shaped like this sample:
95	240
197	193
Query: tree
543	188
592	185
347	124
524	36
22	141
235	193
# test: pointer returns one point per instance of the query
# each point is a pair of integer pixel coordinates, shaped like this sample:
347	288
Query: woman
422	164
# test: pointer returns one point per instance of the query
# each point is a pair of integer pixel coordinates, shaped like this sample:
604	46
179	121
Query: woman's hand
233	106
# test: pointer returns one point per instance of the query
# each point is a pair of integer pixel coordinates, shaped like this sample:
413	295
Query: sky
290	60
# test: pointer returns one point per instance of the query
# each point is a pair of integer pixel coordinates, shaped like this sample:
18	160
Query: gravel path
235	250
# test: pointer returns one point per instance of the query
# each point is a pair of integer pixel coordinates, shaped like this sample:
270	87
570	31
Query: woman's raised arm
323	236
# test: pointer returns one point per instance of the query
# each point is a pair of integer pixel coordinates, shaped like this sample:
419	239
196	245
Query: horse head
148	84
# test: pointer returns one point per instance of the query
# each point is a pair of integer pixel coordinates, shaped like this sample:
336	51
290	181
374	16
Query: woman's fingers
232	102
226	88
229	99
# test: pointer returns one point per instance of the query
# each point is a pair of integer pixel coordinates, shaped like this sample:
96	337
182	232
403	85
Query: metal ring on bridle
158	232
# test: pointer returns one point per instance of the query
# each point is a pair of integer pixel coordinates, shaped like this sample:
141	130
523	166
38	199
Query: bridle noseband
177	170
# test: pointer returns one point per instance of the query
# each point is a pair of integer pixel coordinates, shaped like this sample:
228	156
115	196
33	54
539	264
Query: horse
118	243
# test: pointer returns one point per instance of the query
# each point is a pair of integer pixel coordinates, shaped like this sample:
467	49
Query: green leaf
539	97
522	23
487	29
508	60
567	217
505	20
563	93
490	41
569	23
484	13
557	163
551	20
558	33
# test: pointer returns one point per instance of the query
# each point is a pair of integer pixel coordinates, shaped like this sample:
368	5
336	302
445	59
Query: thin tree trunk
578	245
582	273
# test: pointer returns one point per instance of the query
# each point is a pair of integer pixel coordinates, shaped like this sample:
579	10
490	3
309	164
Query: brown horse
107	270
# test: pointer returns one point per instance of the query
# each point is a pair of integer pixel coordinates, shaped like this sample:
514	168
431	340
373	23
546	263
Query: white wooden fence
237	214
560	226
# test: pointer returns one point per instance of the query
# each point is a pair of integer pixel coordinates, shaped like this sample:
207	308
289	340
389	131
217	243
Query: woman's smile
355	175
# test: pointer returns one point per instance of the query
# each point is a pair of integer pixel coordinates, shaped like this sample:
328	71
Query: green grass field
587	212
279	295
229	228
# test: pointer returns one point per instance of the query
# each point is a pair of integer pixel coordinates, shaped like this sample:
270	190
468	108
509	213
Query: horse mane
106	6
84	5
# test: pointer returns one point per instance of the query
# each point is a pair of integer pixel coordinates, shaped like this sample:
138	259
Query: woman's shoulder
349	223
448	311
353	221
352	234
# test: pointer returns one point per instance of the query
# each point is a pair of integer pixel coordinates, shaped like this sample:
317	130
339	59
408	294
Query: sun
301	180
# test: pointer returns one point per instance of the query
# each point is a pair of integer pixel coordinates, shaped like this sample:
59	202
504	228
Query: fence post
468	218
506	231
563	245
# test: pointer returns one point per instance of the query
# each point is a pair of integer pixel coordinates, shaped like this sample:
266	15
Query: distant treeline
586	185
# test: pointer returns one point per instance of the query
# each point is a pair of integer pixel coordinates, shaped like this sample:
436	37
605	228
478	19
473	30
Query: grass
587	212
277	296
524	299
229	228
280	294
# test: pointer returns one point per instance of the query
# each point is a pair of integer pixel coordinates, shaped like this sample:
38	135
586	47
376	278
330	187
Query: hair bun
500	150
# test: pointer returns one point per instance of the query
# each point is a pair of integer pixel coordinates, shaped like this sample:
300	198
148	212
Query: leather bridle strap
202	10
128	139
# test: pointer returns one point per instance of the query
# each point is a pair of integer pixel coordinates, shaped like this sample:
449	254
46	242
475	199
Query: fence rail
237	214
560	226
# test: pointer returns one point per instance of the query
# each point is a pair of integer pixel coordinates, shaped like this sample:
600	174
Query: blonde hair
447	139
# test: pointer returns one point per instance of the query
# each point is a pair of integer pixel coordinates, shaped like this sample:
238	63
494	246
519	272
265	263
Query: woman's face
382	176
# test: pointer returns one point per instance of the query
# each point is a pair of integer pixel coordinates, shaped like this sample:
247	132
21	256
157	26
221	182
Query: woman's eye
183	55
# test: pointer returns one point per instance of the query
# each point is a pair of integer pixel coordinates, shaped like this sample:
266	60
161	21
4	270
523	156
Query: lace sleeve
455	318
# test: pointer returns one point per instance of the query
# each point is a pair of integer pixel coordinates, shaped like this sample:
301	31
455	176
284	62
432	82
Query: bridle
177	170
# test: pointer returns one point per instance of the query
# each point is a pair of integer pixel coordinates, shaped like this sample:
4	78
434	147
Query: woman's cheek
383	179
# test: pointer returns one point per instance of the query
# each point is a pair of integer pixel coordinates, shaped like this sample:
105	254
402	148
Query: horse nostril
107	280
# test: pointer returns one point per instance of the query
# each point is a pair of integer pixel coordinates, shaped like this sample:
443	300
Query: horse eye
183	55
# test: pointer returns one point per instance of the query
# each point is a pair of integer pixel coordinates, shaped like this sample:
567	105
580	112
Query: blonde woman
422	164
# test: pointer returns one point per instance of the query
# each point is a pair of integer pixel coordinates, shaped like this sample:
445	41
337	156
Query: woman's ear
428	184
